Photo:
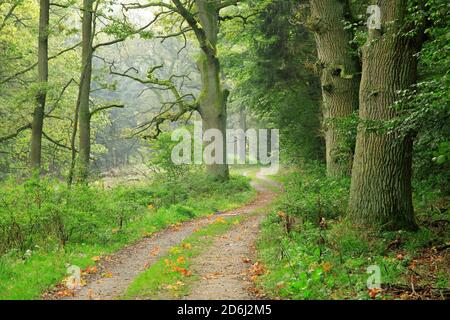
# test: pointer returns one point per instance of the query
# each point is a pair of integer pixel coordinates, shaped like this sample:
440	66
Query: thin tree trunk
73	146
84	92
381	181
213	98
339	72
38	115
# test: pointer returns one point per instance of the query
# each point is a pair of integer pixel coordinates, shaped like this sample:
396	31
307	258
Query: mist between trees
95	94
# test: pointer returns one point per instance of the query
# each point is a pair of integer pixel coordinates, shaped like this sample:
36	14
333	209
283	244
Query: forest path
228	253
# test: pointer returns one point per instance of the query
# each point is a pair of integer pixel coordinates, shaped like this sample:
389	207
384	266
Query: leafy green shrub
311	196
46	212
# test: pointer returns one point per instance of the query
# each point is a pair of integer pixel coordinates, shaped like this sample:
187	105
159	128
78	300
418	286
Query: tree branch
15	134
35	64
106	107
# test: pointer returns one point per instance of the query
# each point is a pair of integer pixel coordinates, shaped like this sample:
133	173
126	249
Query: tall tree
381	179
202	18
84	91
38	115
339	73
213	98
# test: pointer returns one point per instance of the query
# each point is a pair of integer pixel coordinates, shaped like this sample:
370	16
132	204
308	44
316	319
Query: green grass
170	276
25	273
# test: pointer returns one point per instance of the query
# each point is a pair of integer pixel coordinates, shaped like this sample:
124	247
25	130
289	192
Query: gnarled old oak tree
213	98
381	178
202	18
339	73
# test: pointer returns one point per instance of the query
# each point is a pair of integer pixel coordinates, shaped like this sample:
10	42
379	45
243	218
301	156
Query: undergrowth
312	252
46	226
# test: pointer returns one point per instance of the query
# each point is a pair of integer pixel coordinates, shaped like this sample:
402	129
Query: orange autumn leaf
374	292
154	251
65	293
326	267
181	259
281	214
90	269
186	246
186	273
220	220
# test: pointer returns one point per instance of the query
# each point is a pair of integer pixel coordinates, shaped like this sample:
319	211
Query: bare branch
15	134
106	107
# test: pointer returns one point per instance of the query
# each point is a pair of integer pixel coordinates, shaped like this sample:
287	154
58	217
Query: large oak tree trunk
38	115
339	72
84	92
381	179
212	98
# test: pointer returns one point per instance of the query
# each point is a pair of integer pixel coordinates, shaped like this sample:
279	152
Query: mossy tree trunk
213	98
381	180
39	111
84	91
339	73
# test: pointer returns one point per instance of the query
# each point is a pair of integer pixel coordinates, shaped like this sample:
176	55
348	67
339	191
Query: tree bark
339	73
38	115
73	146
381	192
213	97
84	91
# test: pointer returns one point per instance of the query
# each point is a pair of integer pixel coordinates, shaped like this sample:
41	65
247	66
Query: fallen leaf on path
90	270
96	258
155	251
221	220
90	294
246	260
65	293
186	272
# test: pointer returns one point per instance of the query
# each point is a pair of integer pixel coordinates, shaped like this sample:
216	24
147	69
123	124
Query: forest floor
221	270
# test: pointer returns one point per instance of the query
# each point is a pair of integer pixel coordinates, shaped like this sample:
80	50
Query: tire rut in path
224	267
